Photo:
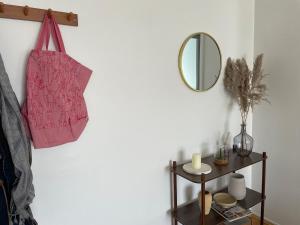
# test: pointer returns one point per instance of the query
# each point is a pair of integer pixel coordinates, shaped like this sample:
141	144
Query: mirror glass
200	62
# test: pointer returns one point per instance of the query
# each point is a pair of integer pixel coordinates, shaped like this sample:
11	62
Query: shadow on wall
189	191
228	112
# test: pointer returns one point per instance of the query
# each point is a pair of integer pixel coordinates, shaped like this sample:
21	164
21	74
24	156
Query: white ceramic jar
237	186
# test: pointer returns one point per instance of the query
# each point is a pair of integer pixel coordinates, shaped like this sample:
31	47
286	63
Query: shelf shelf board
235	163
189	214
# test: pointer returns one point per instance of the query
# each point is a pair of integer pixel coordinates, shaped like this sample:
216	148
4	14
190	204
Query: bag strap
57	34
43	34
50	26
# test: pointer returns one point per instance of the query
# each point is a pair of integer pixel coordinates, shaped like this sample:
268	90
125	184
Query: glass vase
243	142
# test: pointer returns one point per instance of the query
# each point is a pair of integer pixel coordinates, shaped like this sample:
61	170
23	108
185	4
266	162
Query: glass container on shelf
243	142
222	156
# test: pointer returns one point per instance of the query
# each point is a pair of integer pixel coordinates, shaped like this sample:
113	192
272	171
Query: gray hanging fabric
19	146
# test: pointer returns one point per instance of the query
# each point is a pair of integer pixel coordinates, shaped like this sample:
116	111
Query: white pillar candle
196	161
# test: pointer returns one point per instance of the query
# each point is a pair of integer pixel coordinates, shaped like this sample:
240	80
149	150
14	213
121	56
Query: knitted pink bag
54	109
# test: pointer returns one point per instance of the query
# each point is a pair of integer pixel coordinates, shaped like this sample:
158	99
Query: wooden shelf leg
202	216
175	222
263	189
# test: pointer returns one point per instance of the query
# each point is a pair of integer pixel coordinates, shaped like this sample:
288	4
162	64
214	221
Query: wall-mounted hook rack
35	14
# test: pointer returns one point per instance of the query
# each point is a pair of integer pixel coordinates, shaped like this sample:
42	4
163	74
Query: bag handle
56	33
43	34
50	26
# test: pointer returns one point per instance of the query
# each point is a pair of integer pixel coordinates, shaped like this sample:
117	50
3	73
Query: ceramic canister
237	186
208	201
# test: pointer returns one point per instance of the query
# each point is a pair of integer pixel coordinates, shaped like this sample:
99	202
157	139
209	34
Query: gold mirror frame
180	61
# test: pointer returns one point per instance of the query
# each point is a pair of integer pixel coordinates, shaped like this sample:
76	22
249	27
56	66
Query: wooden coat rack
35	14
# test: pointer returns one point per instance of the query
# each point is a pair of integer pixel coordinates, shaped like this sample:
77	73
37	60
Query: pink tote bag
54	109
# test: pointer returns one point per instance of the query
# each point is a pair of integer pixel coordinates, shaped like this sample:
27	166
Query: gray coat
19	145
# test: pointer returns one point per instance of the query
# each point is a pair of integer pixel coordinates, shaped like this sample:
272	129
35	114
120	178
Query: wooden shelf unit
190	213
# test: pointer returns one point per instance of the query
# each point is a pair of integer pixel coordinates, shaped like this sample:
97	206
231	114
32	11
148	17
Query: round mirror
200	61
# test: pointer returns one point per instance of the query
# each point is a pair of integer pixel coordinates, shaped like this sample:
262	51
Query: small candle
196	161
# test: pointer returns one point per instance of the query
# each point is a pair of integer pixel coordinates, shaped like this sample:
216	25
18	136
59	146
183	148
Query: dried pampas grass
245	86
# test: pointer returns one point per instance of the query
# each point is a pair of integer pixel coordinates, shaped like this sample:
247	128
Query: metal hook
1	7
26	10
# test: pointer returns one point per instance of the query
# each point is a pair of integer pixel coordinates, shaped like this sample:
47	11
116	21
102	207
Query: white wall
276	126
141	113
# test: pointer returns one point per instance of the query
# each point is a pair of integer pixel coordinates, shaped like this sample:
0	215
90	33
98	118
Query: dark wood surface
189	214
235	163
263	189
175	222
203	199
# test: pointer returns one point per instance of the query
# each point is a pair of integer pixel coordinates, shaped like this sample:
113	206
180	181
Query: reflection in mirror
200	62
